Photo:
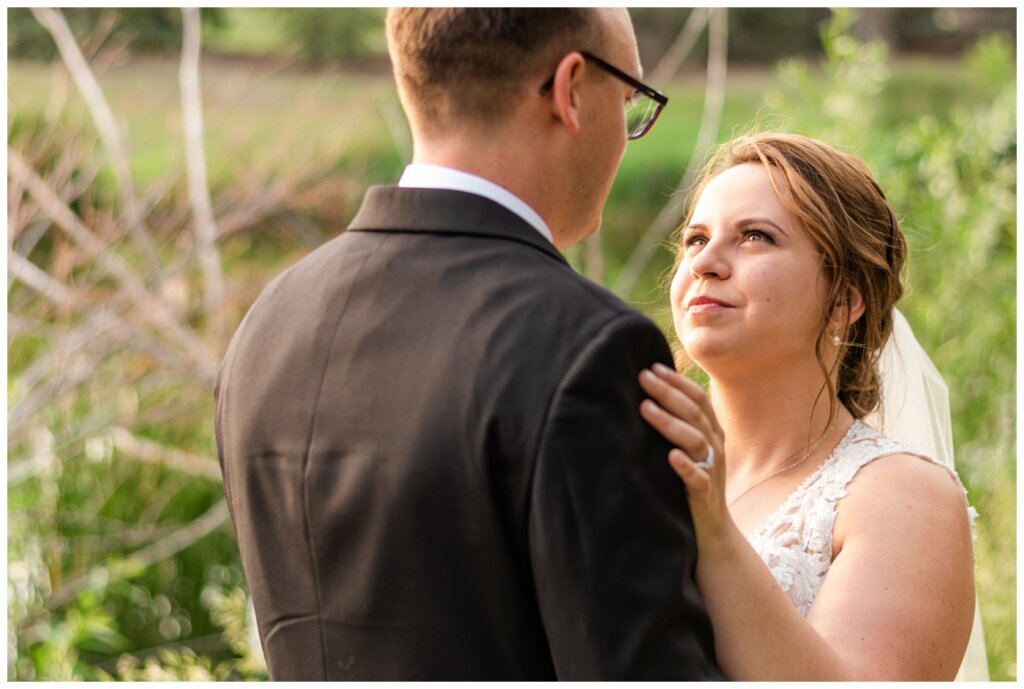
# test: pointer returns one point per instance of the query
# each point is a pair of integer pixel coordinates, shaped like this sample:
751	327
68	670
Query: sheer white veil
915	411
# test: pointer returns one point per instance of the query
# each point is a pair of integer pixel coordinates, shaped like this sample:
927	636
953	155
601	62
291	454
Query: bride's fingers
697	480
676	431
671	398
676	395
694	392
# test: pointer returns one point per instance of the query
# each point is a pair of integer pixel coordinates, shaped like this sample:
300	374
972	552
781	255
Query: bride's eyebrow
741	223
763	221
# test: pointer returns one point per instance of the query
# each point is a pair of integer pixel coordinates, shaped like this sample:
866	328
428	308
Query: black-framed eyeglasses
642	109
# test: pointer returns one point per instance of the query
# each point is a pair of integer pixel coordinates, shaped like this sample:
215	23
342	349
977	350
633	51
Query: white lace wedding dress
796	540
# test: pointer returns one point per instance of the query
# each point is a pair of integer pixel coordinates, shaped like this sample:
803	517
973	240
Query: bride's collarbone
751	510
756	495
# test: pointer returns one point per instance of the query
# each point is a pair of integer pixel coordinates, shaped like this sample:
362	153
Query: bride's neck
767	417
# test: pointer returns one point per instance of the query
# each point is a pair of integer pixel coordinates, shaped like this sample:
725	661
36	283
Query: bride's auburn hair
854	227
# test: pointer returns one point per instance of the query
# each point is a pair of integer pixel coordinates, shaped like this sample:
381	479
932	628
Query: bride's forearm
759	634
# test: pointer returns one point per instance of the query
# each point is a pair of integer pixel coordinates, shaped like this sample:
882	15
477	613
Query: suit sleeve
611	536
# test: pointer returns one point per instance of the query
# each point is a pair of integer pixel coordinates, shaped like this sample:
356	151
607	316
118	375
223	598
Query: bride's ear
854	305
849	309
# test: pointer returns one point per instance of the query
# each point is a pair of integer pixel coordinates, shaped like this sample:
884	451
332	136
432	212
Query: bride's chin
716	356
705	346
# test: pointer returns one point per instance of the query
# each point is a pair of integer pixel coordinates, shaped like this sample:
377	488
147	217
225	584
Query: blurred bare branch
593	258
48	288
90	334
671	214
73	357
107	543
673	58
149	451
195	166
62	375
251	207
53	21
397	127
111	263
135	563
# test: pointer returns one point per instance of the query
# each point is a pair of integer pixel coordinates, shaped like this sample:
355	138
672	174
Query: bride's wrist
719	542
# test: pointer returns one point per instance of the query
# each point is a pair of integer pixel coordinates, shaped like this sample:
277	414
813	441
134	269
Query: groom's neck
518	162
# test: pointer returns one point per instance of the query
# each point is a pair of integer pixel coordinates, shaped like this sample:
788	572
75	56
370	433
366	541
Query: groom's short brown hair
458	64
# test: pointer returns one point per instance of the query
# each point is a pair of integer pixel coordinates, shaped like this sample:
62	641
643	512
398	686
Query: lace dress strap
796	540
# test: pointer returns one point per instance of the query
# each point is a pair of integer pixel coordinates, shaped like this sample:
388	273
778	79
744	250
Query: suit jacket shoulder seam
305	464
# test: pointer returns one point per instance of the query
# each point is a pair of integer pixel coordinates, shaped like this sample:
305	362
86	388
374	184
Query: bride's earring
835	337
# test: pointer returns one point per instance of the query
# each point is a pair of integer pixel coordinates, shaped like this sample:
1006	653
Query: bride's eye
694	239
757	236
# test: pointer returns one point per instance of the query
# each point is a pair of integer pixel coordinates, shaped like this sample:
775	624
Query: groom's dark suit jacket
432	451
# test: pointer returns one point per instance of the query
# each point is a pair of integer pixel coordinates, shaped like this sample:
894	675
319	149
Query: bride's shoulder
901	497
905	477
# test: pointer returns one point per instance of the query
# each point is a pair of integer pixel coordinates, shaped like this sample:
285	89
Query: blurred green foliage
940	137
142	29
793	31
333	35
342	35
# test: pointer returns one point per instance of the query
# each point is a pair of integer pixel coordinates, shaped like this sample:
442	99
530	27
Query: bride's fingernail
662	368
650	407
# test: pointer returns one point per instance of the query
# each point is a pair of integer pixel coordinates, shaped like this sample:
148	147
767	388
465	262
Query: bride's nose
711	262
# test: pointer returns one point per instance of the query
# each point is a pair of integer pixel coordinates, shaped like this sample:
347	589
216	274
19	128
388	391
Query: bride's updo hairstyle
855	229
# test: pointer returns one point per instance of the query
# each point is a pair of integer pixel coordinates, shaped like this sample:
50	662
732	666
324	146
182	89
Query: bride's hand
680	410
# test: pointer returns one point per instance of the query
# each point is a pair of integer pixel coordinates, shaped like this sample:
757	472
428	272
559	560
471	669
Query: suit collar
445	211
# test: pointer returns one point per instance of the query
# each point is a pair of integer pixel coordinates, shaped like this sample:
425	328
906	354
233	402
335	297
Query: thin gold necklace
787	467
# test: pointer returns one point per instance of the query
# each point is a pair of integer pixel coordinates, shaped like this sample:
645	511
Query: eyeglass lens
639	114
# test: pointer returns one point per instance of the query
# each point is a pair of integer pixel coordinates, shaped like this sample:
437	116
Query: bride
828	551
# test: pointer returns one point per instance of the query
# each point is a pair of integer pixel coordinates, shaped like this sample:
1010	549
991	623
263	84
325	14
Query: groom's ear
565	96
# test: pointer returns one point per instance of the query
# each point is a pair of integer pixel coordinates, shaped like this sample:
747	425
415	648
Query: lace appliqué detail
796	540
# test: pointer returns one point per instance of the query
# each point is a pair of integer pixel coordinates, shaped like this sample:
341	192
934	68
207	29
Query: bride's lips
706	304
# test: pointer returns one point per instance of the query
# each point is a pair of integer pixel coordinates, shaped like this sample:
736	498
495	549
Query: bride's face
749	290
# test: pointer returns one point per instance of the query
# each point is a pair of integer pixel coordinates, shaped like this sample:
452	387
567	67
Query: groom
428	427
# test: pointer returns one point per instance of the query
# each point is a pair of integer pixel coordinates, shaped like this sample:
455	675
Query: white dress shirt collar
427	176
